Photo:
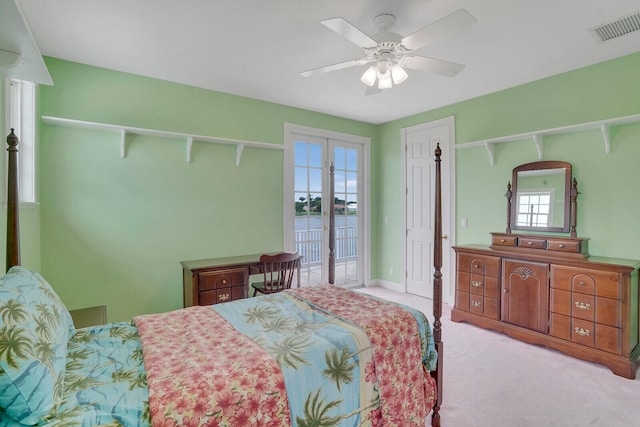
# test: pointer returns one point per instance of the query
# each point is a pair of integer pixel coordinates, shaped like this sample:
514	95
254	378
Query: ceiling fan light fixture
398	74
384	80
369	76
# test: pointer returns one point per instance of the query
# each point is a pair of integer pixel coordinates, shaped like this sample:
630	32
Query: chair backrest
279	270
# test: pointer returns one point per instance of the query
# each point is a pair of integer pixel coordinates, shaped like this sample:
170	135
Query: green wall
114	230
607	205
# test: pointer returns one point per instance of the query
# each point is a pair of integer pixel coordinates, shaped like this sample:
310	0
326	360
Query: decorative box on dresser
548	291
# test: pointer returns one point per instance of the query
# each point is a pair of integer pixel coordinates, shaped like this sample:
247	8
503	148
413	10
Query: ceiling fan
389	53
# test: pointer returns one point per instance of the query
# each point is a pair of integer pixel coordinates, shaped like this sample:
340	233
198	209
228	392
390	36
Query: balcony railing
309	244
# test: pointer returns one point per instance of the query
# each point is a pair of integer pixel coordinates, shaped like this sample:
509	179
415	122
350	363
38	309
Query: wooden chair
278	271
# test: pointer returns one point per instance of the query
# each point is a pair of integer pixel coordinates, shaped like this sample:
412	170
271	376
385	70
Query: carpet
493	380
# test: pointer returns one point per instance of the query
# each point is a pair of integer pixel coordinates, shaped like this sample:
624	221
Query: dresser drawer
478	264
476	286
600	283
603	337
560	302
502	240
484	306
563	246
583	306
608	339
608	312
462	300
525	242
463	280
484	285
582	332
208	280
560	326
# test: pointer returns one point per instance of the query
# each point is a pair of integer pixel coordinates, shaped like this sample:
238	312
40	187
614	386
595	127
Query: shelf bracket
123	143
239	149
189	145
489	147
604	128
539	141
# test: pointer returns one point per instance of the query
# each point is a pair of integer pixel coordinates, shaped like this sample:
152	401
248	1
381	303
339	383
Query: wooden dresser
548	291
216	280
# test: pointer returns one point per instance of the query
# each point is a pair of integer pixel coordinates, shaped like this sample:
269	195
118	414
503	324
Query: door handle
445	237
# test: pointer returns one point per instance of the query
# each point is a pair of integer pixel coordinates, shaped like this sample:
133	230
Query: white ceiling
256	48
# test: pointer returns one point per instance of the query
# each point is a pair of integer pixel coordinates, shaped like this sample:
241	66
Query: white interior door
420	143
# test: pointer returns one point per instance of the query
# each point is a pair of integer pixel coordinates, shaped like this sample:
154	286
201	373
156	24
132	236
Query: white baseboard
387	285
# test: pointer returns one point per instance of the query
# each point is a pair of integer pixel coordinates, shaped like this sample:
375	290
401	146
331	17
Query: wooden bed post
437	288
332	226
13	218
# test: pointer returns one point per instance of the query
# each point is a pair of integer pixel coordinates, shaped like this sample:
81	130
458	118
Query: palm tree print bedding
286	360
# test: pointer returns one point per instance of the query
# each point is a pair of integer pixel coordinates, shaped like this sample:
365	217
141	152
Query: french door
307	230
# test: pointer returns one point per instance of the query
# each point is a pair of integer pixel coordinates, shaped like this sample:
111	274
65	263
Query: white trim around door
447	144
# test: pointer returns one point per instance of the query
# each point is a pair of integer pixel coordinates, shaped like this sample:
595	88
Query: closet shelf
188	138
538	136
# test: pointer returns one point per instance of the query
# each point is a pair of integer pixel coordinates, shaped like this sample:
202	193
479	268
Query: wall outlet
463	222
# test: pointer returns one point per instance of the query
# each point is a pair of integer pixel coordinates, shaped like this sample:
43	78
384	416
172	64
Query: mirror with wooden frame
541	197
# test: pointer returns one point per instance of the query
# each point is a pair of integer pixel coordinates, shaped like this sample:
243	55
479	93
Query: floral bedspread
401	337
294	364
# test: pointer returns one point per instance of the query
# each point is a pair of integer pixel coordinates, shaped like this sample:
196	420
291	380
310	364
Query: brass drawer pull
582	305
476	265
476	283
582	332
224	281
502	240
223	297
582	283
530	243
561	245
476	303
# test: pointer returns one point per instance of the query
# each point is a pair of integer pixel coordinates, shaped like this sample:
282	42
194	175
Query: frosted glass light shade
398	74
384	80
369	76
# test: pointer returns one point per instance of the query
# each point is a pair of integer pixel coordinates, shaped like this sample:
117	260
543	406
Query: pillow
34	330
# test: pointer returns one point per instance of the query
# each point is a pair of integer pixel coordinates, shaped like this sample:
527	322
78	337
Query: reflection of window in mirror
534	208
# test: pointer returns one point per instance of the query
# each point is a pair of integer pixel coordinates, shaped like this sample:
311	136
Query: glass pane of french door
309	223
348	225
311	188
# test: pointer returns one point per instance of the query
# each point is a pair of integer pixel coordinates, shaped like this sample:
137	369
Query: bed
318	356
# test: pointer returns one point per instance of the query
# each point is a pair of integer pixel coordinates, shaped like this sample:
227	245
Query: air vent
617	28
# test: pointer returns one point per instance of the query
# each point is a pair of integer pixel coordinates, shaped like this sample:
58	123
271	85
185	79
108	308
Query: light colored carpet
493	380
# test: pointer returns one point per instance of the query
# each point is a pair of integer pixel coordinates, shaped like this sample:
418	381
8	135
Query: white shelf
538	136
188	138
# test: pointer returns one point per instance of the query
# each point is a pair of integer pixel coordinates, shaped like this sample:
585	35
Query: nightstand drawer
217	279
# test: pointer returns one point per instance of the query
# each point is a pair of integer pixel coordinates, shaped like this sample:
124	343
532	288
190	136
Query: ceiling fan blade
435	66
372	90
349	32
333	67
446	27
